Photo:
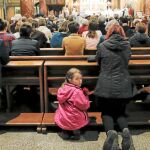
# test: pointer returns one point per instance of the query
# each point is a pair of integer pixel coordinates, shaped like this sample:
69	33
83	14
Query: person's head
74	76
93	26
123	19
70	18
3	25
73	27
115	29
85	22
141	27
42	21
35	23
24	19
101	19
18	25
30	20
64	27
110	23
25	29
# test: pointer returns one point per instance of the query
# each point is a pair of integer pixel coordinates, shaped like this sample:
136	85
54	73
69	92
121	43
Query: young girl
71	114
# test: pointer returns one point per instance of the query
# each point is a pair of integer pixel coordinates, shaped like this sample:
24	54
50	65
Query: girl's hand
86	91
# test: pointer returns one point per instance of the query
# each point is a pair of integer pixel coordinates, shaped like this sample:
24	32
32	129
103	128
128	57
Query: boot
127	142
75	135
111	142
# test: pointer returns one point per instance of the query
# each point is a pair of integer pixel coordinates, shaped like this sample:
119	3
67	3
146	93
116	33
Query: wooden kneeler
48	120
22	119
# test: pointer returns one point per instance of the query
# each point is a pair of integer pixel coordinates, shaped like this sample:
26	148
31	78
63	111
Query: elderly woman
114	88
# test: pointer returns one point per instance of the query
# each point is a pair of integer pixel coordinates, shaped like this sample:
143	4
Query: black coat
140	40
4	56
40	37
114	80
25	47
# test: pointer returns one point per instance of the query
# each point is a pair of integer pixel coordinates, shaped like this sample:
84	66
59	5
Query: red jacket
82	29
71	113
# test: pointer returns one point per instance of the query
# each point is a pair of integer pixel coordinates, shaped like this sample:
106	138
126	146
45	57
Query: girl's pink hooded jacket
71	113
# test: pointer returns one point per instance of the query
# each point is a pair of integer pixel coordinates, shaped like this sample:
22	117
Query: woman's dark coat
114	80
140	40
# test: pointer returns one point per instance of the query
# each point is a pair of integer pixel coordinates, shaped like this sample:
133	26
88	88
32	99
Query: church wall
147	7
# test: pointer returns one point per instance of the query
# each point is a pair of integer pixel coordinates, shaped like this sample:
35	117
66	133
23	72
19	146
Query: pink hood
71	113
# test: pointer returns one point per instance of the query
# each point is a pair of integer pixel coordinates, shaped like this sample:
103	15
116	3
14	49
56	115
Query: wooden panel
60	51
21	119
1	3
27	8
23	73
48	118
147	7
24	63
1	13
55	2
10	12
79	57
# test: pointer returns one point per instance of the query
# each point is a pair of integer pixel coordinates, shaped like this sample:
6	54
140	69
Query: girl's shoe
75	135
65	135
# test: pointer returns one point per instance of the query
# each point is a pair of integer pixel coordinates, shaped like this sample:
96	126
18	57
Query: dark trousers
113	111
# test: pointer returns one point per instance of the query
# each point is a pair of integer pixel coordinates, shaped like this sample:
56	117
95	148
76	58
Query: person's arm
4	53
63	43
98	54
80	100
37	49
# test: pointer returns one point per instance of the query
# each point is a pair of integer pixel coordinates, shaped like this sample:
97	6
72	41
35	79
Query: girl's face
77	79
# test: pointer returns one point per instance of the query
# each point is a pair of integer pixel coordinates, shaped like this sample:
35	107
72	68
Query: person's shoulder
34	41
16	41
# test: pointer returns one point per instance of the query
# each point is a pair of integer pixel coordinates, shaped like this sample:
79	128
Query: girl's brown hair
115	29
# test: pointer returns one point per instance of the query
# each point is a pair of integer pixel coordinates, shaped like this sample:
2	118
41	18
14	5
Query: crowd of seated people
111	36
50	32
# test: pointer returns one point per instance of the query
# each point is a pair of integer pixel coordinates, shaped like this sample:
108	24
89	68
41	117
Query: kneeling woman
114	87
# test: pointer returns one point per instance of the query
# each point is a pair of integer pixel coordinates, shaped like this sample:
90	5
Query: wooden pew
23	58
54	76
54	72
60	51
22	119
75	57
48	120
23	73
140	50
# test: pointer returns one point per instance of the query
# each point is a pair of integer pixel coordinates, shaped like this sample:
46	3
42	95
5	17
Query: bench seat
48	119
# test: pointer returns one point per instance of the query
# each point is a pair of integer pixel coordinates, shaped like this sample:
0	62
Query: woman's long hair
92	30
115	29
